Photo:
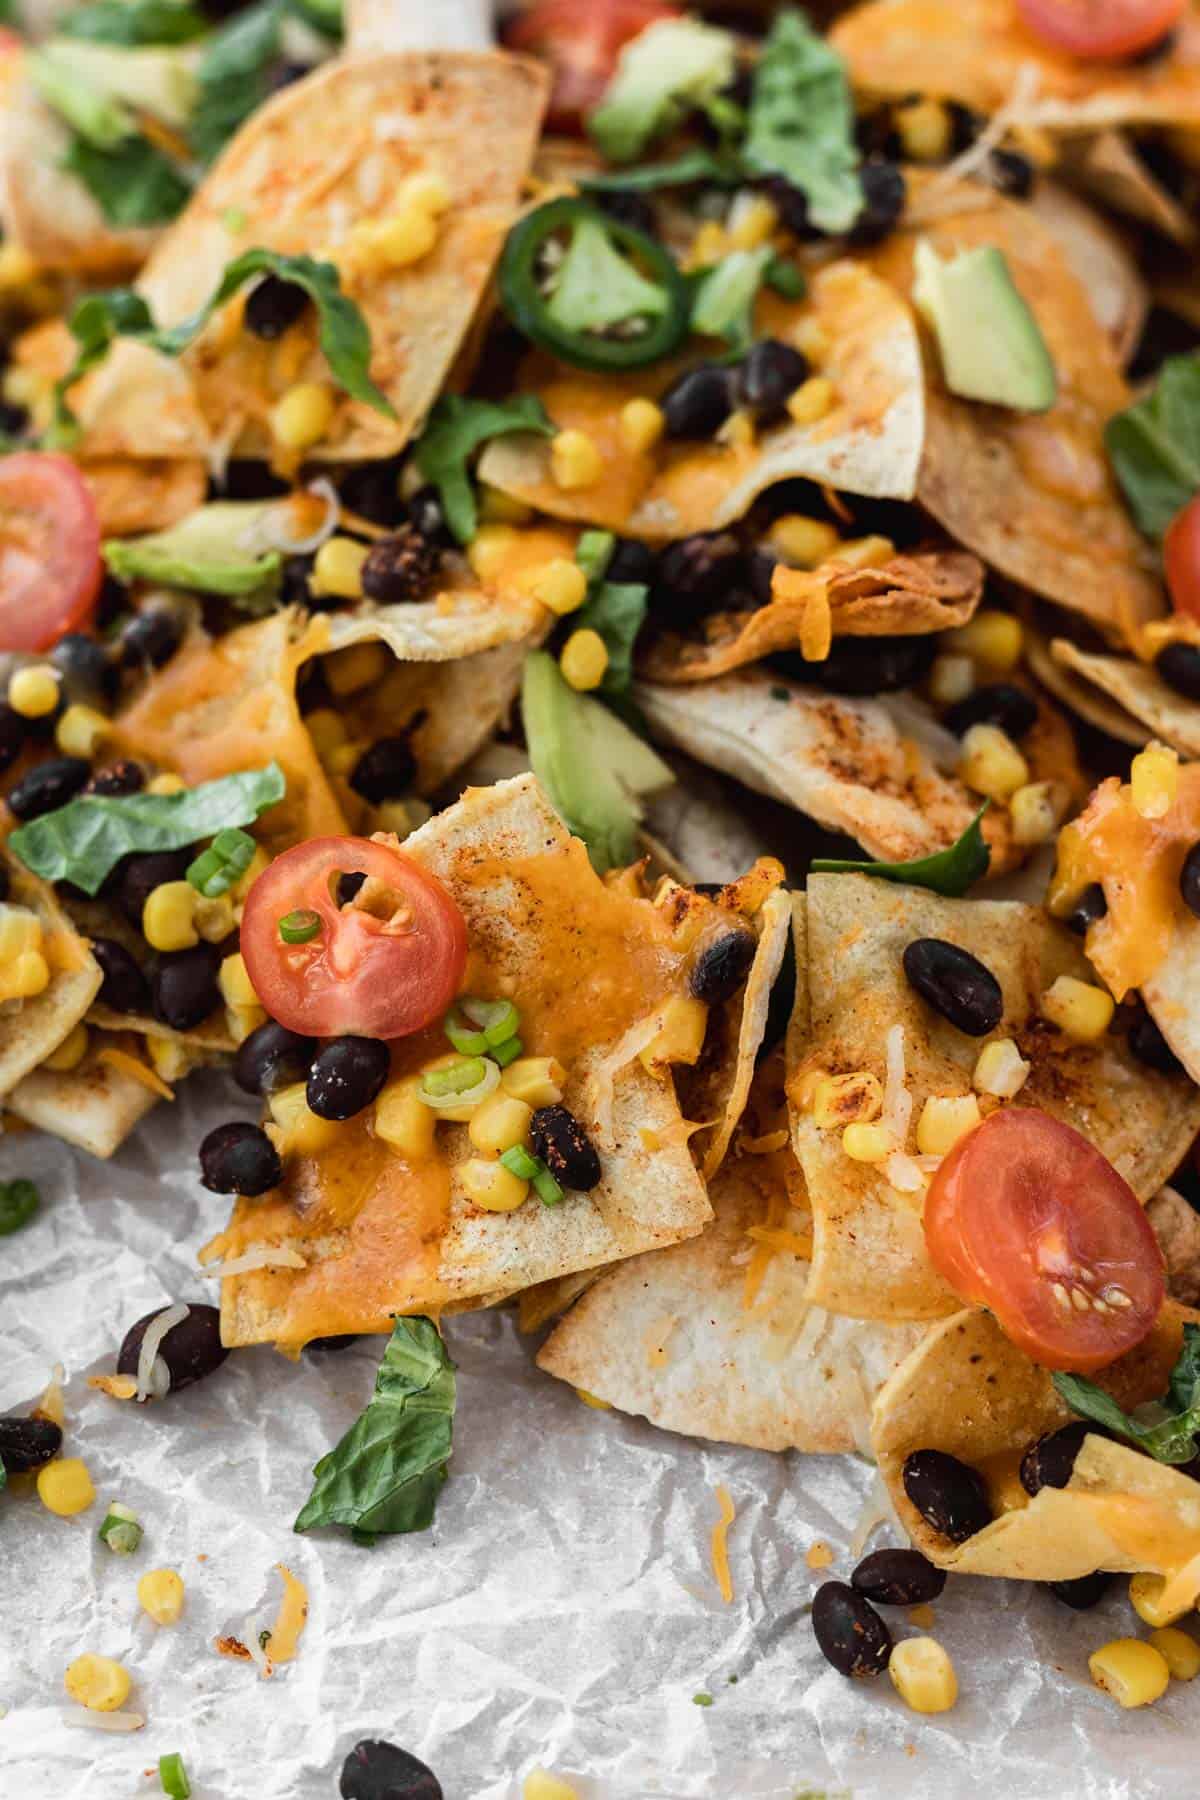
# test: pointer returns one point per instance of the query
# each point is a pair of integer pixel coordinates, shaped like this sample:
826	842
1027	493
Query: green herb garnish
508	1052
594	552
225	861
133	184
488	1024
950	872
1154	445
617	611
1166	1429
134	23
455	430
457	1078
172	1777
233	78
801	122
120	1530
19	1200
680	171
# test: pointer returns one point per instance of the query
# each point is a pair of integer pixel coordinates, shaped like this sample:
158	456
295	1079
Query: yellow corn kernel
301	417
168	917
166	783
738	430
540	1784
20	930
1134	1673
169	1059
403	1120
1001	1069
98	1682
926	130
1036	811
70	1052
754	219
1179	1650
1145	1597
500	1124
680	1037
951	679
1080	1010
17	266
642	425
492	1186
923	1675
337	570
358	666
584	660
429	192
250	874
499	508
991	762
839	1100
25	976
395	816
490	549
378	245
992	638
327	730
240	1021
214	918
867	1143
81	731
1154	781
806	543
811	338
811	400
944	1119
65	1487
537	1080
235	984
559	584
300	1128
341	759
708	246
160	1593
33	692
575	461
866	552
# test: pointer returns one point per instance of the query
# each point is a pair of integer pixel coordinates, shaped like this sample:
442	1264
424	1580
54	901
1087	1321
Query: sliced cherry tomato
580	40
379	970
1026	1218
1181	553
50	568
1101	28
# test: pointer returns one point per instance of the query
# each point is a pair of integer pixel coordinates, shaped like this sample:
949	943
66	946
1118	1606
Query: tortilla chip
1100	260
869	1257
1141	693
930	590
34	1029
1079	696
94	1106
870	443
1172	993
381	1237
1108	168
375	27
133	497
137	407
970	1392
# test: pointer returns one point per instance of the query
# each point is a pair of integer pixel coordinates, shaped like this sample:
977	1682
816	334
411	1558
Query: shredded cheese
931	203
720	1544
779	1238
84	1719
600	1082
897	1101
117	1387
265	1256
136	1070
763	1146
153	1375
291	1618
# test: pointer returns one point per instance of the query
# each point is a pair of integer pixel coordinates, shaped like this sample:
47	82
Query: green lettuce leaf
1154	445
1169	1429
801	122
455	430
724	296
617	611
223	547
949	872
133	184
99	118
134	22
83	841
233	79
670	68
386	1473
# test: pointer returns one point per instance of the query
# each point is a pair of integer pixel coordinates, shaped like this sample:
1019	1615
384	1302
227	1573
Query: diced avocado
594	769
222	548
724	299
663	72
75	76
991	345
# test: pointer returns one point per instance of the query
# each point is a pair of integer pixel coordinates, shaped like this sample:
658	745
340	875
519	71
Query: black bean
698	403
183	987
384	771
28	1443
239	1158
781	1004
89	675
347	1073
283	73
48	785
273	305
966	126
1048	1462
849	1632
1090	906
13	732
151	638
884	194
295	584
245	480
1155	52
376	1770
565	1147
1001	703
400	567
1148	1044
1189	880
769	373
1011	173
956	984
426	516
948	1494
124	777
763	563
332	1345
1084	1591
881	665
628	207
721	968
14	420
140	875
191	1350
124	988
631	562
1179	666
898	1578
348	885
696	575
272	1058
5	881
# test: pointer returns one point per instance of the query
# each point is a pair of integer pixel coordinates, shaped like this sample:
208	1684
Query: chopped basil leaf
950	872
83	841
233	78
456	428
723	302
133	184
1154	445
134	22
386	1473
801	122
1168	1430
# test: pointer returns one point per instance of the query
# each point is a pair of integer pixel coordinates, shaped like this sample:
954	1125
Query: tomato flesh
1101	29
1181	555
50	567
381	970
581	39
1027	1218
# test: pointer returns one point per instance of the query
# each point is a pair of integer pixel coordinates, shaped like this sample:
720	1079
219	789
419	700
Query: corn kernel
381	244
98	1682
951	679
925	130
403	1120
326	729
1001	1069
491	1186
26	976
299	1127
867	1143
33	692
20	930
945	1119
169	1059
301	417
341	759
1154	781
65	1487
751	222
81	731
991	762
214	917
490	549
168	917
992	638
498	508
240	1021
642	425
680	1037
923	1675
811	400
805	543
337	570
358	666
1134	1673
575	462
811	338
428	192
70	1052
234	982
538	1080
250	874
866	552
166	783
1179	1650
1080	1010
593	1400
499	1124
1037	810
540	1784
738	430
839	1100
160	1593
1145	1597
395	816
584	660
559	584
708	246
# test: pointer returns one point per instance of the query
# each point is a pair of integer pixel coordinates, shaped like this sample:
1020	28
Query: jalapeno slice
606	264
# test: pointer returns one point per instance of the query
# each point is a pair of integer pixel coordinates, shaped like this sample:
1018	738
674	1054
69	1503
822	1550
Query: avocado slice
594	768
225	547
991	345
662	73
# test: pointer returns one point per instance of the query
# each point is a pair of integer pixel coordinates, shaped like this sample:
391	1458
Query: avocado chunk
991	345
662	74
594	769
226	547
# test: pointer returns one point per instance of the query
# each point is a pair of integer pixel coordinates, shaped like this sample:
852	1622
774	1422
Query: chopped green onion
120	1530
300	927
785	278
594	552
518	1162
499	1020
507	1052
19	1200
545	1187
224	862
465	1038
457	1078
173	1777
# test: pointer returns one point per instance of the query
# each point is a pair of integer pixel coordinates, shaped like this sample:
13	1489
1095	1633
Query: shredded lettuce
1154	445
670	68
801	122
1166	1429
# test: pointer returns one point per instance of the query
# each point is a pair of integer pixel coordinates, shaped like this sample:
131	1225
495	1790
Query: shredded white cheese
976	155
265	1257
83	1719
897	1101
600	1081
153	1375
876	1510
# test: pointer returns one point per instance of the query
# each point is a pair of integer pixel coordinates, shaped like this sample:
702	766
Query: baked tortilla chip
1107	168
1077	695
1101	261
94	1106
869	1257
968	1391
869	443
33	1029
585	965
135	497
1140	692
1172	993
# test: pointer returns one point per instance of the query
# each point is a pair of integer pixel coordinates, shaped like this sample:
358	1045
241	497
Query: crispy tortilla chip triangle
33	1029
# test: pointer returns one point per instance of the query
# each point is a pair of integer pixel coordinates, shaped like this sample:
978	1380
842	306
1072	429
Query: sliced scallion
507	1052
545	1187
227	858
300	927
120	1530
518	1162
594	552
172	1777
464	1082
499	1020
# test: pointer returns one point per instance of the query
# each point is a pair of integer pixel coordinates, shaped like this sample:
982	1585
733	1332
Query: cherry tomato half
580	40
50	568
1181	553
382	970
1101	28
1023	1216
